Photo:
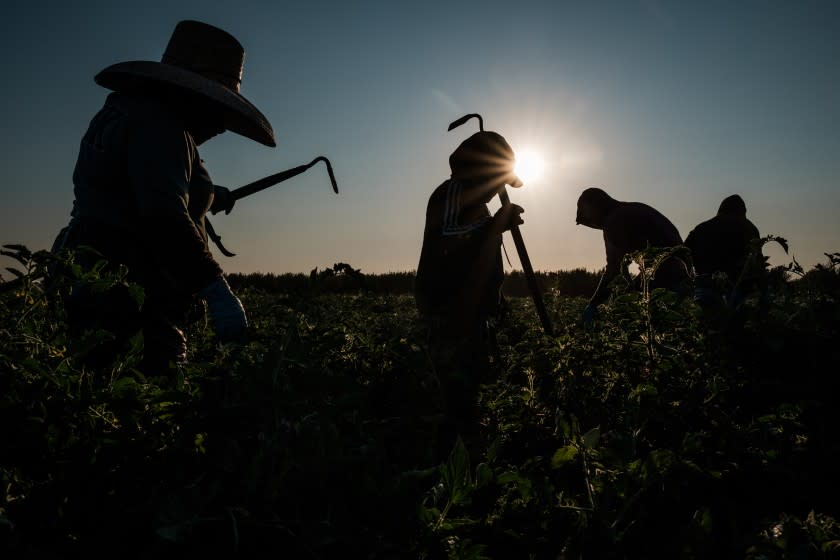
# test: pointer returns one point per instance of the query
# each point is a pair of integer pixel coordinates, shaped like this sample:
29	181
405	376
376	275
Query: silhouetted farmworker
460	273
141	191
627	227
722	244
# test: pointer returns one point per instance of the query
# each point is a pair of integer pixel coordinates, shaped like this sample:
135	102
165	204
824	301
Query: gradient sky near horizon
676	104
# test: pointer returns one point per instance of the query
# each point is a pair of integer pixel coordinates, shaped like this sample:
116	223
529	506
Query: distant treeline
342	278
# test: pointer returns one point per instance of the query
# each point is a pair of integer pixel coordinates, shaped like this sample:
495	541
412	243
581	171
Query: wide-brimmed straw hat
484	154
202	59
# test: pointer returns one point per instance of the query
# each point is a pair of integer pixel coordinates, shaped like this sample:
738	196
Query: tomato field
664	430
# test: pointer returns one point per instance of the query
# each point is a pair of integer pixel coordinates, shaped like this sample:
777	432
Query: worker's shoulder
442	188
722	227
633	212
149	117
438	202
440	193
705	227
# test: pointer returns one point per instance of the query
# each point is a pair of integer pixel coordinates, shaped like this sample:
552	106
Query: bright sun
529	166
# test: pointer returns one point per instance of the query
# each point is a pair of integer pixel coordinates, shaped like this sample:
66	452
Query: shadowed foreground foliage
662	431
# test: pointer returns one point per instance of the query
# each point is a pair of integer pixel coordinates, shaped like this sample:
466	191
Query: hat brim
240	115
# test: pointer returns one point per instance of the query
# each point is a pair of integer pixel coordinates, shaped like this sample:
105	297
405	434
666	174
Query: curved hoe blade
216	238
465	118
329	171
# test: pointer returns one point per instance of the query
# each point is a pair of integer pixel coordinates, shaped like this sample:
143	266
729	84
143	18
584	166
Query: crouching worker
722	244
628	227
459	276
141	192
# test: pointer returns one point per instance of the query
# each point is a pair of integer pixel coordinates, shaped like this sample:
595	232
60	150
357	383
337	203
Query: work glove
222	200
226	312
589	313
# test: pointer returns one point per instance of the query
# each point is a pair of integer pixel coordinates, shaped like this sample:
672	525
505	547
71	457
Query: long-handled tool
272	180
531	278
259	185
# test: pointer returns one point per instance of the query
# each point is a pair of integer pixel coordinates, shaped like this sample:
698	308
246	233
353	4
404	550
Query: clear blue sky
677	104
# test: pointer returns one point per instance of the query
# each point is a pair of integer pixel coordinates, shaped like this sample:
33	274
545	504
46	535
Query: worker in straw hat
141	191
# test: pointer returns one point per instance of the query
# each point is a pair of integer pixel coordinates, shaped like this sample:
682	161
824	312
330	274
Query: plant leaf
592	437
563	456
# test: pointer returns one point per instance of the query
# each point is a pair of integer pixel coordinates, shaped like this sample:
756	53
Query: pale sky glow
676	104
530	166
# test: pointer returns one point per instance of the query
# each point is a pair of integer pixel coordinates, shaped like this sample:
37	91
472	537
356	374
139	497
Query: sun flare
529	166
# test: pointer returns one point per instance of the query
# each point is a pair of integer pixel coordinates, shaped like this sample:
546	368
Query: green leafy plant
667	427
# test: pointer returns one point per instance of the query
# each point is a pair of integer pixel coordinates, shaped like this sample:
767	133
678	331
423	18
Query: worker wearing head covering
142	191
722	244
459	276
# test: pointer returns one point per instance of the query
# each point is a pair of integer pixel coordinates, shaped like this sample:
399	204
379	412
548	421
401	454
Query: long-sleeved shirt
721	244
140	178
454	235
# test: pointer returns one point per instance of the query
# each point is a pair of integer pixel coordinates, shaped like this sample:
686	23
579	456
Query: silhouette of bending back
628	227
722	243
